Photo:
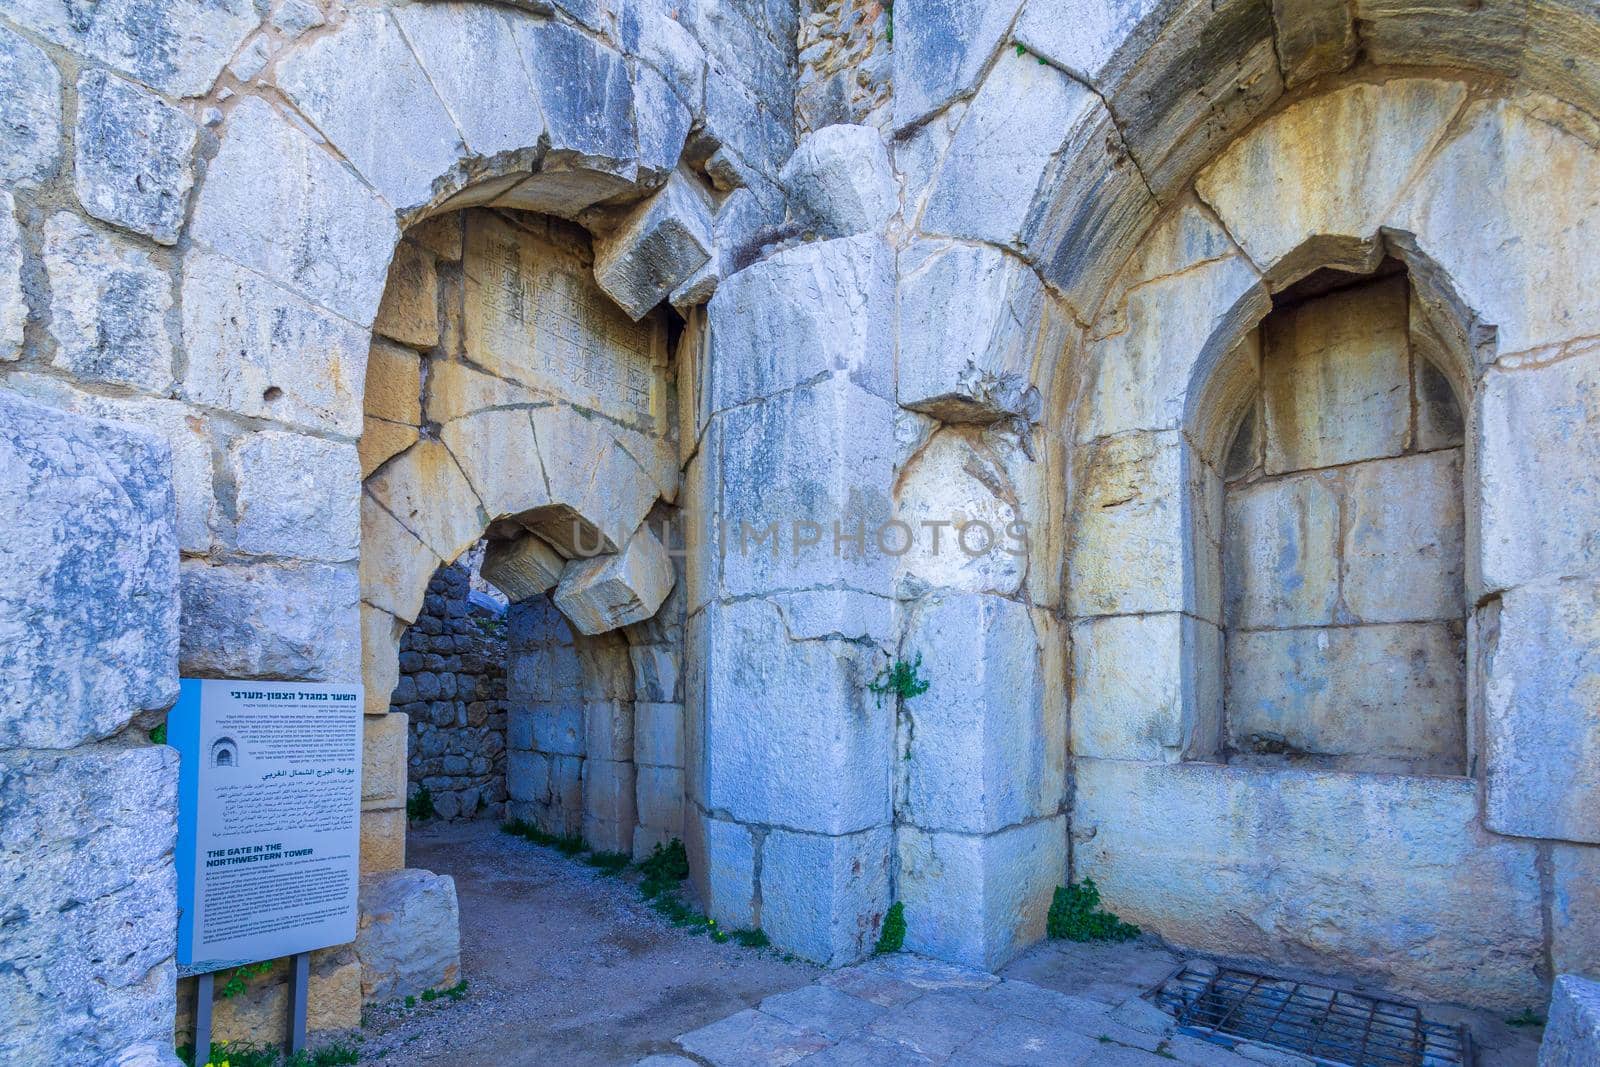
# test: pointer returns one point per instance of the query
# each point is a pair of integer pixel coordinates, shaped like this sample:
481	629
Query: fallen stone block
840	182
1572	1036
656	246
409	938
522	568
606	592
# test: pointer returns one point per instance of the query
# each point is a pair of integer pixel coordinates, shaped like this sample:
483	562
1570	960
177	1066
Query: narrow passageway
564	964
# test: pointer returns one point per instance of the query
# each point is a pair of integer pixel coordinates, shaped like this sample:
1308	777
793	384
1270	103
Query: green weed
1526	1017
899	679
1075	915
893	935
419	805
239	976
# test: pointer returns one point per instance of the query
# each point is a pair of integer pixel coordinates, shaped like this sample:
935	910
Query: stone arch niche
1428	880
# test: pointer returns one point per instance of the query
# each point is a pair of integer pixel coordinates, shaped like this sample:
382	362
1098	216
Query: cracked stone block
179	48
752	1037
522	568
108	305
606	592
824	897
941	53
408	939
88	576
840	182
13	306
1572	1034
664	121
30	111
409	312
132	156
656	246
295	622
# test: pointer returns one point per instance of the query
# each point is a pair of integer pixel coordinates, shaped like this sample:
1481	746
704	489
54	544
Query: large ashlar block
942	53
590	120
1346	155
658	734
655	671
1336	378
383	760
1281	556
1538	451
497	452
1423	898
522	568
840	182
1146	687
1543	714
1575	909
382	440
383	839
287	621
380	657
722	868
89	606
829	728
608	731
1388	697
823	898
984	743
1314	37
980	900
395	564
656	246
609	813
1403	552
426	492
296	496
409	312
408	938
394	383
604	593
962	517
1572	1035
598	491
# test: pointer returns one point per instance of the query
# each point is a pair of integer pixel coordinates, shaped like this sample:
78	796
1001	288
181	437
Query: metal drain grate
1332	1026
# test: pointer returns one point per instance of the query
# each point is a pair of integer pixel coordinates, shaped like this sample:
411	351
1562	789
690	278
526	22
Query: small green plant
455	992
612	863
1164	1051
411	1001
1105	1039
752	938
1075	915
888	10
665	867
240	976
899	679
419	805
566	844
892	937
158	736
337	1054
1526	1017
248	1054
491	627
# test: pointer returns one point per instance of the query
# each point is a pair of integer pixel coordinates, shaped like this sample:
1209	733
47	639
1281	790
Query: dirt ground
564	965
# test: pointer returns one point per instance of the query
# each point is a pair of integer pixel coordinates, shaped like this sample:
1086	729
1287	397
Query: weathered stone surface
266	621
1538	454
1572	1034
1403	550
95	825
664	121
942	51
132	156
1397	859
1080	35
383	840
606	592
985	744
839	181
960	518
735	117
979	900
1574	908
381	634
500	458
257	349
409	312
365	91
599	494
179	48
383	760
656	246
395	563
279	204
30	117
751	1037
408	938
1487	36
108	307
425	490
1281	556
13	306
296	496
90	621
1313	38
1542	708
1146	687
522	568
825	897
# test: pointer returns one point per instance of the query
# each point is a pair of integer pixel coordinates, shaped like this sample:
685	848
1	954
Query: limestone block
1487	36
409	312
383	760
1509	258
259	350
178	48
440	234
425	490
380	657
395	564
1146	687
722	869
1383	697
608	787
497	452
1335	378
822	307
132	156
980	900
1080	35
823	898
968	316
95	825
108	307
279	204
295	622
1538	454
1024	111
522	568
297	496
1425	900
831	728
821	455
1542	708
840	182
981	742
663	119
1572	1034
455	390
655	246
1313	38
660	799
1281	557
735	117
1347	154
942	52
408	939
601	594
90	621
608	731
1575	909
599	493
30	123
655	672
1403	551
383	840
13	307
559	728
364	89
475	63
261	1012
821	614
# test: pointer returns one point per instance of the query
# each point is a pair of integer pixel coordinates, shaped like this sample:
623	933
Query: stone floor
567	967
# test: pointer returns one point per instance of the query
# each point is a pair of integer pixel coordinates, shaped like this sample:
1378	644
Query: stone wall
452	690
844	61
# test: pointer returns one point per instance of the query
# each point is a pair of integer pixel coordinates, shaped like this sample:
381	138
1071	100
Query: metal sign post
299	987
202	1018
